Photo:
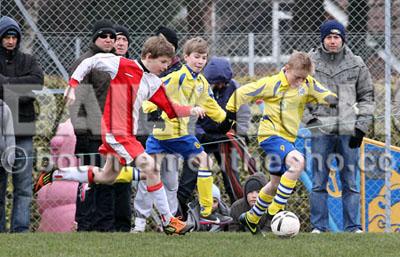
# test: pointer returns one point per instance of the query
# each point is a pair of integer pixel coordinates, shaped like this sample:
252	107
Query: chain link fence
257	36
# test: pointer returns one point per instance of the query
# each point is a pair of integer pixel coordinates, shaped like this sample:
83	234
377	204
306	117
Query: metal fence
255	35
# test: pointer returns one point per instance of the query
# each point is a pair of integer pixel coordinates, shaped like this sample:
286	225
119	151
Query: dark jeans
324	146
22	183
122	207
105	209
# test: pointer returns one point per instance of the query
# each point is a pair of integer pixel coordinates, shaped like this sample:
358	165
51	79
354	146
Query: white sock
157	192
83	174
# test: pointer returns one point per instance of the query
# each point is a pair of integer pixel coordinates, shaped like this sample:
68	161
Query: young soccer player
132	83
187	86
285	95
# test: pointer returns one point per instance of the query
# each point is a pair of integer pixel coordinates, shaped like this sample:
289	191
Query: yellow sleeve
212	108
148	107
318	93
125	176
249	93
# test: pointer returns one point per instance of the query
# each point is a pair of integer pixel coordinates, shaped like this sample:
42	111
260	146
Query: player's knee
204	160
296	162
146	164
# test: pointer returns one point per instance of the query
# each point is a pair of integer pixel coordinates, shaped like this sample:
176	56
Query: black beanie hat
102	27
332	27
253	185
121	30
170	35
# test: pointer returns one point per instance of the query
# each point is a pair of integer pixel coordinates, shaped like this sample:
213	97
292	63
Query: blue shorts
276	148
187	146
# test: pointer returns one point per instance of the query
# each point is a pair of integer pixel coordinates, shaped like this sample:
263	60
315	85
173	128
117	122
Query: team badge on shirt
197	145
302	91
200	88
282	147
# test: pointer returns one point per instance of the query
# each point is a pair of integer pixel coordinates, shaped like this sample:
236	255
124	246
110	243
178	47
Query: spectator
219	209
251	188
20	73
96	212
343	128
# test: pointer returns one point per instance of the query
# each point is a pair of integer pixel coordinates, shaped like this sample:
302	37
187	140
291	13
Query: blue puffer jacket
219	70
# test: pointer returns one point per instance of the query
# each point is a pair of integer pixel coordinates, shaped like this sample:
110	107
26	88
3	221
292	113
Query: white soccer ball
285	224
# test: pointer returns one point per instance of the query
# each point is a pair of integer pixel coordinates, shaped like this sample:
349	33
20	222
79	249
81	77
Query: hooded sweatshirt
219	70
20	73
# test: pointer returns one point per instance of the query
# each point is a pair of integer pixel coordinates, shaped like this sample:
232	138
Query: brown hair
157	46
301	61
197	44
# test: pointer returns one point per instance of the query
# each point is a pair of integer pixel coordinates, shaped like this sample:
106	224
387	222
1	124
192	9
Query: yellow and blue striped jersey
185	88
284	105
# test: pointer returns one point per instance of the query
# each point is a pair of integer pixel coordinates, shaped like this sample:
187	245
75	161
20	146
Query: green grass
198	244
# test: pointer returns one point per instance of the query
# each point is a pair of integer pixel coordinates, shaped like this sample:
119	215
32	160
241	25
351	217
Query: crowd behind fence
256	36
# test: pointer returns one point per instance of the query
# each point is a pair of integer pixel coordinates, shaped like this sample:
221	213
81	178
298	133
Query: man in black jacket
20	73
95	211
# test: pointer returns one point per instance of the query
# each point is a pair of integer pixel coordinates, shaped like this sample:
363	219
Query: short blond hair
301	61
157	46
197	44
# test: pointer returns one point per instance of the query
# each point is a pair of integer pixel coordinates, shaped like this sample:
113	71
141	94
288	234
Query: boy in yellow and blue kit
285	95
188	86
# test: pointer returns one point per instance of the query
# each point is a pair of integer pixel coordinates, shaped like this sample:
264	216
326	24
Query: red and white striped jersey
130	86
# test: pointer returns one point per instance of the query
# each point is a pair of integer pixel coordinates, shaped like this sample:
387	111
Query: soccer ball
285	224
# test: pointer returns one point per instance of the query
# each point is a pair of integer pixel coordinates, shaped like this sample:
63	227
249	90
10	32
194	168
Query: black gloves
313	125
155	117
356	140
226	125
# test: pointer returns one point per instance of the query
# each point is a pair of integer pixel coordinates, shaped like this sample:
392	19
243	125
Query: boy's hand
69	96
198	112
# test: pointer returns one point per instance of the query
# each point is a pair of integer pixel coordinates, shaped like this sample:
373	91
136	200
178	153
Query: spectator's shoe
210	219
43	179
253	227
177	227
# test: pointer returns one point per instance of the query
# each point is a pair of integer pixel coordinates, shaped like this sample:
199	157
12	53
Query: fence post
78	43
41	38
276	41
251	54
388	162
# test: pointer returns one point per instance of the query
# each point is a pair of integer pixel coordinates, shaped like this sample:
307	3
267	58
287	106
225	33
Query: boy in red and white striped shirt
132	82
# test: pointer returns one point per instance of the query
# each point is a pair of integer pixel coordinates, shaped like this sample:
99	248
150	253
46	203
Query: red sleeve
73	82
172	110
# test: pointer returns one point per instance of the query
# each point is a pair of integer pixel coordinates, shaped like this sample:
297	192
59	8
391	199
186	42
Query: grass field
198	244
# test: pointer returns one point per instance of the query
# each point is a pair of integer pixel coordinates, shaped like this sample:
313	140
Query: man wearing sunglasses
86	118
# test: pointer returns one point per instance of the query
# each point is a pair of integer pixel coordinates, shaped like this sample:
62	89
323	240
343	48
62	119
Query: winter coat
219	70
345	74
20	73
241	205
7	138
